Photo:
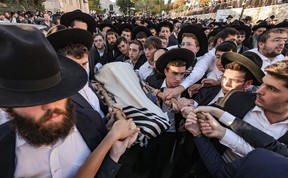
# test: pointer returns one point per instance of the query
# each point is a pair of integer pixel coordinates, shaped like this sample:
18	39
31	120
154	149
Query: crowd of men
222	86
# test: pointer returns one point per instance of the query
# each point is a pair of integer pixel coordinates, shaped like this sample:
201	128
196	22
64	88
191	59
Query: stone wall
259	13
66	5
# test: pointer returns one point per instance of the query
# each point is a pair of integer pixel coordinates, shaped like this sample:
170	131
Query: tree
124	5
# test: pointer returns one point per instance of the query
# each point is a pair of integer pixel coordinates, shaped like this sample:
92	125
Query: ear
260	44
219	41
248	83
165	72
197	49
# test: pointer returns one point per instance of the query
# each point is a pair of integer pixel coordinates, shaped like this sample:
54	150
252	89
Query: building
66	5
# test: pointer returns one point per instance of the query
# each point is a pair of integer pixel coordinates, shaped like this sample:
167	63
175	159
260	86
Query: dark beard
37	135
112	46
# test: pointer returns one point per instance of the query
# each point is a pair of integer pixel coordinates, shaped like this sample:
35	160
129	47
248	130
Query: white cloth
256	117
122	82
265	60
61	160
215	74
145	70
203	65
91	98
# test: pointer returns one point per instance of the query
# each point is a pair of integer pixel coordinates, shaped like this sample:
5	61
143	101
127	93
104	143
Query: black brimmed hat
34	74
172	55
165	24
106	24
249	60
123	26
69	17
262	24
59	36
138	29
199	33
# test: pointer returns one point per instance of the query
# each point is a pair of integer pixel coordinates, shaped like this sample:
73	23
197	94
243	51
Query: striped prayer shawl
122	82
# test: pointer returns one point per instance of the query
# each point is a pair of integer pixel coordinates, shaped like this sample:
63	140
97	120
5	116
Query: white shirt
205	63
91	98
61	160
3	117
265	60
216	74
256	118
145	70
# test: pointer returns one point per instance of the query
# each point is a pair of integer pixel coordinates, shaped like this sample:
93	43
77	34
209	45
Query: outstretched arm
120	130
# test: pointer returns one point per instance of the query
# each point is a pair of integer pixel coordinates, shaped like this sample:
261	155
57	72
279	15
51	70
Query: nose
49	106
261	90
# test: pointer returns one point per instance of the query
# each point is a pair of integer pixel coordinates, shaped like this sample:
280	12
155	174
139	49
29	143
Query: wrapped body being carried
120	80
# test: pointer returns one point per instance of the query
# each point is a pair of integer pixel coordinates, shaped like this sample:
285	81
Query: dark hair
227	46
279	70
140	35
137	42
98	34
75	50
176	63
265	35
120	39
153	41
224	33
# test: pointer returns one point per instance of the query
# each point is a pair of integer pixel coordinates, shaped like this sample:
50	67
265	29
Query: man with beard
251	42
95	53
43	139
270	45
111	52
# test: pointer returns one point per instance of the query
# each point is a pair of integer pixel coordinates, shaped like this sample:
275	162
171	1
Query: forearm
236	143
258	138
92	164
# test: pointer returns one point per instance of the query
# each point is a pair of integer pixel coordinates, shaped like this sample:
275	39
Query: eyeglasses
232	81
278	40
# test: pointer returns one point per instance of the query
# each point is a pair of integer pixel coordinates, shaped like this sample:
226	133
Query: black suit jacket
93	58
238	104
258	163
91	128
206	95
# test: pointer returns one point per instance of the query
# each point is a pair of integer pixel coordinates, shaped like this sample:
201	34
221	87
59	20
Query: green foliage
125	5
95	5
24	5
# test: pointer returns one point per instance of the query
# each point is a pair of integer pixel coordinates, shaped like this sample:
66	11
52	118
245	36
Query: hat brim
123	26
245	28
199	33
165	23
258	74
172	55
62	38
138	29
70	72
104	24
69	17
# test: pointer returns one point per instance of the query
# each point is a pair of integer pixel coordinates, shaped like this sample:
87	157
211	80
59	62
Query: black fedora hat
165	24
262	24
106	24
199	33
238	25
138	29
69	17
59	36
123	26
249	60
31	72
229	16
172	55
